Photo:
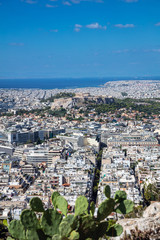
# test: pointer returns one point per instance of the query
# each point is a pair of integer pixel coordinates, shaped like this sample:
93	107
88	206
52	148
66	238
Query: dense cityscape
76	142
79	120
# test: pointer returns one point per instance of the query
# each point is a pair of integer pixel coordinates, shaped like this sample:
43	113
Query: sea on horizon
64	83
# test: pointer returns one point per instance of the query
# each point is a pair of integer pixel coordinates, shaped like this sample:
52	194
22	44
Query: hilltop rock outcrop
80	100
148	226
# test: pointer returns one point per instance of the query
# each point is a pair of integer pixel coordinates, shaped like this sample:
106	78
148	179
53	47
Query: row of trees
58	112
149	107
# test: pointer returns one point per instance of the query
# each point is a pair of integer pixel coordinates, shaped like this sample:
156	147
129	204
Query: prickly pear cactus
107	191
17	229
81	226
100	230
29	219
105	209
57	237
67	225
36	204
32	235
50	222
125	207
120	196
81	205
54	198
74	236
114	231
87	226
62	205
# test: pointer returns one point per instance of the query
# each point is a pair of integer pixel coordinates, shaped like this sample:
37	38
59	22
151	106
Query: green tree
151	193
124	94
39	141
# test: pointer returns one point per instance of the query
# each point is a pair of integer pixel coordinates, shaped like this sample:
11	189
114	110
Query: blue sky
79	38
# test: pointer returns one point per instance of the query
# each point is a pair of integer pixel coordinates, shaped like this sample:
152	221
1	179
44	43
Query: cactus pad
62	204
87	226
16	229
87	222
36	204
50	222
101	229
54	198
65	229
74	235
56	237
115	230
67	226
32	235
105	209
107	191
81	205
120	196
125	207
29	219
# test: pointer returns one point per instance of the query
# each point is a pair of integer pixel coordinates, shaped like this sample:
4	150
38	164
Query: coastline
65	83
118	89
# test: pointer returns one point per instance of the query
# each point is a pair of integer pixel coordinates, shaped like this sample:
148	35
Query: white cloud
66	3
51	6
78	26
121	51
156	50
96	26
79	1
54	30
30	1
91	26
16	44
124	25
130	1
157	24
77	29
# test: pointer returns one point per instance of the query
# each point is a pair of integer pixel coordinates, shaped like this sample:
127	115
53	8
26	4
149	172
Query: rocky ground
145	228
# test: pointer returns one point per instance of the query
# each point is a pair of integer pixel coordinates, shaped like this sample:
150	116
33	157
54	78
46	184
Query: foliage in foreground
3	230
57	224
